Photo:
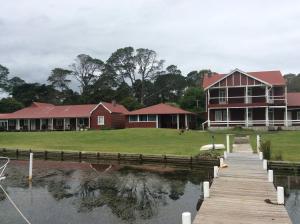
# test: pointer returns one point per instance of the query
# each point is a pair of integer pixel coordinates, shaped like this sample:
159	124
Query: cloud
36	36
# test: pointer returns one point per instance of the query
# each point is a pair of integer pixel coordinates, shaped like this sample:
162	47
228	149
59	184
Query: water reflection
130	194
291	183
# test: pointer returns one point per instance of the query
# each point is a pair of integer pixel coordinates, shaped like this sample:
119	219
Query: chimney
114	103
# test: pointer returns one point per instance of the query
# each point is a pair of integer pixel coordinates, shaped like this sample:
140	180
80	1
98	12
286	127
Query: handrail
2	168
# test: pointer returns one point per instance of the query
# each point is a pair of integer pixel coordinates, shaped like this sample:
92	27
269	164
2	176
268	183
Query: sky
37	36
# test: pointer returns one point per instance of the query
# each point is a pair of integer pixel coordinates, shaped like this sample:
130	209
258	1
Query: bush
265	147
278	156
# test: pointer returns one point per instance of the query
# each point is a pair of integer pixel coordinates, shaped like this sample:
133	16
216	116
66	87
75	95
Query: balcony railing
247	99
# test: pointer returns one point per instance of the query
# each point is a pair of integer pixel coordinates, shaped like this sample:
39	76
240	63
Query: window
151	117
100	120
59	122
298	115
143	117
133	118
218	115
222	96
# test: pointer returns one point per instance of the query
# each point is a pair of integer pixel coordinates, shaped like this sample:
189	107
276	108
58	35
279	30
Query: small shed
160	116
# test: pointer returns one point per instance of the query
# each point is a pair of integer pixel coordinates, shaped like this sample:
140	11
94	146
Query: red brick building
250	99
160	116
43	116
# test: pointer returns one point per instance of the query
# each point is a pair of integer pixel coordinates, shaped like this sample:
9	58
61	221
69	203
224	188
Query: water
77	193
291	183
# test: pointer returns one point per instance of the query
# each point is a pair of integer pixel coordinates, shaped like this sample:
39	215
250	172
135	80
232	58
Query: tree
193	99
148	66
122	64
3	77
59	78
86	69
293	82
195	78
9	105
170	84
14	82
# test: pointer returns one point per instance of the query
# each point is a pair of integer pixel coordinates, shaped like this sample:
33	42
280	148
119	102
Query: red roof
44	110
271	77
293	99
159	109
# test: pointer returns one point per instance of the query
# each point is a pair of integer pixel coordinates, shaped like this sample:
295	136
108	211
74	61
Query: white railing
248	99
252	123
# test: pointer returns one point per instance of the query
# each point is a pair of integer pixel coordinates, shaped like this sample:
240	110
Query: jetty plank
238	195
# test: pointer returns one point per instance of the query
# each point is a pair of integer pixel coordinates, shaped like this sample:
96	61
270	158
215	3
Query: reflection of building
43	116
250	99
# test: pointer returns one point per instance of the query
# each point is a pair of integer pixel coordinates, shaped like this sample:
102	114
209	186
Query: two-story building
250	99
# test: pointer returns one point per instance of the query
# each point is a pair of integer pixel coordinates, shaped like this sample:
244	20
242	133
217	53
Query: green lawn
146	141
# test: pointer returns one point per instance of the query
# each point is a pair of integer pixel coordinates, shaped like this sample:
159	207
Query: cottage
160	116
44	116
250	99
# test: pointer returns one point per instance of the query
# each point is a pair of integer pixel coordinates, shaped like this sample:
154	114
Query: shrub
278	156
265	147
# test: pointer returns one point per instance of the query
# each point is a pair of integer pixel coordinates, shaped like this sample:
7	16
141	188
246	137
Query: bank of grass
144	141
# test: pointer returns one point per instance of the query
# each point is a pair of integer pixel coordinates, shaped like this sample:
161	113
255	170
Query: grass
145	141
148	141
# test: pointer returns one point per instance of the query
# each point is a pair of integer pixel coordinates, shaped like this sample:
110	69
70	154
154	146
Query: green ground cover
145	141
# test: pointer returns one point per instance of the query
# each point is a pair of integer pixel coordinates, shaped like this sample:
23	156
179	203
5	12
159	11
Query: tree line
133	77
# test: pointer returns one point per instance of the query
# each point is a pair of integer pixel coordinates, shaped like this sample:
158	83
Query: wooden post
30	166
157	121
280	195
270	176
227	143
186	218
265	164
216	169
185	122
261	156
227	116
178	121
257	143
221	162
206	189
225	155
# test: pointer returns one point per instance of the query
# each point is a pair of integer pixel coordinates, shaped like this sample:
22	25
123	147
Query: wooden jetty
239	192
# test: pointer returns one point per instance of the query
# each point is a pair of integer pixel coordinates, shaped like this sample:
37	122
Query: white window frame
298	115
139	118
100	120
222	96
218	115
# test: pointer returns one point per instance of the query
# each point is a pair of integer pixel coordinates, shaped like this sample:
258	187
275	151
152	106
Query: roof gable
266	77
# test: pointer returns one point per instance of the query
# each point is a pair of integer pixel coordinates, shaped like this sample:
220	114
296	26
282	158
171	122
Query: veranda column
89	122
7	125
52	124
208	118
18	124
186	122
76	124
247	118
41	124
246	95
29	125
227	116
286	117
267	116
177	121
64	124
156	120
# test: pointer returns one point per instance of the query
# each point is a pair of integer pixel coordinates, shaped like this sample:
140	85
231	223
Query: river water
78	193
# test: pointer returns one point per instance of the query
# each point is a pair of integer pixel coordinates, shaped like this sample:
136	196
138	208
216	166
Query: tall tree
293	82
195	78
59	78
86	69
14	82
3	77
122	64
9	105
193	99
148	67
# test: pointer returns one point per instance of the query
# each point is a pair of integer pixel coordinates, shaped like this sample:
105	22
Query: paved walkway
238	195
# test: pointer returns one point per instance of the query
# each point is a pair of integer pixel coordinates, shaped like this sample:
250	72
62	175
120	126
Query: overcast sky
38	35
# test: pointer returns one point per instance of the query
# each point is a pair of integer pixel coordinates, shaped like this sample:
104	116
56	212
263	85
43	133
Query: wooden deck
238	194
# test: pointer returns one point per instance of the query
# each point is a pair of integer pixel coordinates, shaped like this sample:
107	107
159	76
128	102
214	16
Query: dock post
186	218
206	189
216	169
225	155
227	143
265	164
270	176
261	156
257	143
280	195
221	162
30	166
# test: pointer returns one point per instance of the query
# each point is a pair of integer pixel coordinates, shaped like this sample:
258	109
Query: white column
267	94
247	118
186	218
227	116
18	124
41	124
7	125
29	125
156	120
227	95
30	166
286	117
64	124
52	124
228	143
208	118
76	124
177	121
186	122
267	116
89	122
246	95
